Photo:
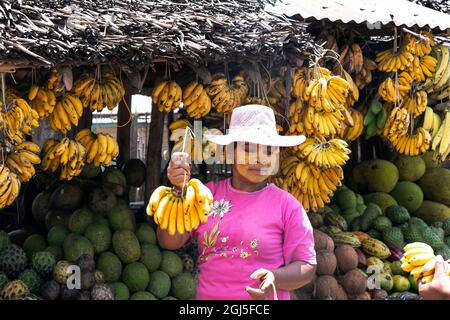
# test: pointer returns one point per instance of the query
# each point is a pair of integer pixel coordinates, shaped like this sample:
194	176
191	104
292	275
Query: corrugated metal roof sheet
371	12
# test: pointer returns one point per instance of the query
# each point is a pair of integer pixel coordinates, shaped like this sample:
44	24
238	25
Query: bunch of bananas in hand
415	103
422	68
322	153
19	120
412	145
311	186
323	124
441	141
431	122
351	131
392	92
21	161
180	213
226	97
42	100
66	113
67	155
388	61
167	96
419	260
419	47
101	148
9	186
95	93
196	100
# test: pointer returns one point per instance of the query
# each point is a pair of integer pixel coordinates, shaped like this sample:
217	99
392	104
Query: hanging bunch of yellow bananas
311	186
97	92
42	100
18	120
353	95
388	61
419	47
422	67
441	141
101	148
21	161
412	145
392	93
9	186
439	83
299	83
167	96
66	113
196	100
351	131
178	213
54	82
397	123
322	153
226	97
431	122
327	94
67	155
419	260
415	103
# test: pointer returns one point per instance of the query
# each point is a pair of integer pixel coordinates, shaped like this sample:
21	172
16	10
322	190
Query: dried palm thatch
46	32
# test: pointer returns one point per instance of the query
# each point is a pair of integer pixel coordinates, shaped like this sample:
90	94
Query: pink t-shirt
247	231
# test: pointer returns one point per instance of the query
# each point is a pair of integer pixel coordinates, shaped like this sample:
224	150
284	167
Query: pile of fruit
87	223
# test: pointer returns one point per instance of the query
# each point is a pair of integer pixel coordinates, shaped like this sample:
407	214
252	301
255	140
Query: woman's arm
166	241
294	276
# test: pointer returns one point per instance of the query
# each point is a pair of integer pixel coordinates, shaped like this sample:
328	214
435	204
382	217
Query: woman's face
254	162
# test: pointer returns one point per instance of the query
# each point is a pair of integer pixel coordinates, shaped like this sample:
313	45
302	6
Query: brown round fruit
322	241
327	288
347	258
354	282
326	263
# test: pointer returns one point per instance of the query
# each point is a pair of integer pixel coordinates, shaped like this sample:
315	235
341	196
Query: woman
257	237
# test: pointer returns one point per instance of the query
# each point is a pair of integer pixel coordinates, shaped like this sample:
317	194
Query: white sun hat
254	123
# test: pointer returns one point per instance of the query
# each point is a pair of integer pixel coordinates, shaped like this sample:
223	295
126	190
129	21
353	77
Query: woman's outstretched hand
177	169
267	281
439	287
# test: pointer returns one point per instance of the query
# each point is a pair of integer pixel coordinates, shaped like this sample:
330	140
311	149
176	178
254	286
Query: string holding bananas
21	161
310	185
9	186
419	260
19	120
388	61
351	132
322	153
196	100
167	96
180	213
416	103
97	92
226	97
412	144
101	148
66	113
42	100
66	155
441	141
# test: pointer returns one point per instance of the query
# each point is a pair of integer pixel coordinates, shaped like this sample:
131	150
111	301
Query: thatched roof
135	33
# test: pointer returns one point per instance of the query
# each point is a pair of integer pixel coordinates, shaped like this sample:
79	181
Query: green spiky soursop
32	279
183	286
375	234
56	235
13	260
408	194
126	246
444	252
100	237
159	284
397	214
446	226
381	223
412	232
171	264
393	237
151	257
439	231
431	238
135	275
121	217
43	263
80	220
110	265
75	246
145	234
4	240
34	243
372	211
121	291
350	215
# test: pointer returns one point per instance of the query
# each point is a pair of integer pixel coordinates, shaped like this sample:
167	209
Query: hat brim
273	140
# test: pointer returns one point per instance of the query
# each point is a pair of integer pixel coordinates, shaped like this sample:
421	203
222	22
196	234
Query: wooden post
124	132
154	147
